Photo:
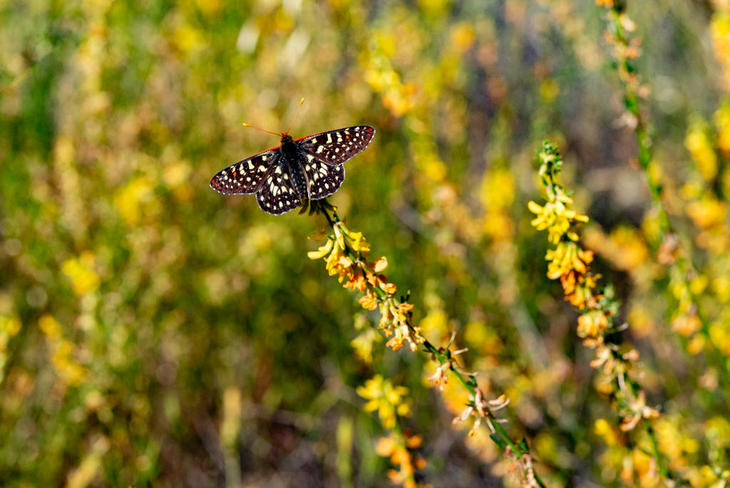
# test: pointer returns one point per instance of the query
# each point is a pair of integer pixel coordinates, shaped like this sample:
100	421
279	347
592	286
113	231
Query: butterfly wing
277	195
322	179
334	147
246	176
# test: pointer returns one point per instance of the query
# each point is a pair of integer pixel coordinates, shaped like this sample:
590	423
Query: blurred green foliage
153	332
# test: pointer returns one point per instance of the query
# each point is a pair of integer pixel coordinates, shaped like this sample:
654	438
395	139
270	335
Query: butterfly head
286	138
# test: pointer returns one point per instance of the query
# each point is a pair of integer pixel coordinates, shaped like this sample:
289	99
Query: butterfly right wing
247	176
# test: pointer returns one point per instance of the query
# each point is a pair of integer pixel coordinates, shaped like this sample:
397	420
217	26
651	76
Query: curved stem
443	356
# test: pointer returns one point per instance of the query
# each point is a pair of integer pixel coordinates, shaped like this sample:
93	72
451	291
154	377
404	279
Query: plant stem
443	356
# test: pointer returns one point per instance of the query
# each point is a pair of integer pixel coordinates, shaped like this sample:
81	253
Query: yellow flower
592	323
363	343
567	257
557	218
380	264
402	332
603	428
389	400
722	123
324	250
579	289
136	199
355	240
357	283
707	213
388	288
81	271
396	447
687	324
700	147
339	264
50	326
369	301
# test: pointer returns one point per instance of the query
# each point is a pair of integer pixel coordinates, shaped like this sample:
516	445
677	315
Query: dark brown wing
246	176
334	147
277	195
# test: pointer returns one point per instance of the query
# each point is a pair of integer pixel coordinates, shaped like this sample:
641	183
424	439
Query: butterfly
310	168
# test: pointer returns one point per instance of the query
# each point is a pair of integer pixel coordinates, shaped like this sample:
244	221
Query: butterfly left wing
277	195
246	176
334	147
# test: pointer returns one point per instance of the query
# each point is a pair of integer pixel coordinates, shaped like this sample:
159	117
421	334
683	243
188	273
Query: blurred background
156	333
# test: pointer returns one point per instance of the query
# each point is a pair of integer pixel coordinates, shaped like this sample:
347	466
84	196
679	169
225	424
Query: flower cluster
63	352
345	253
567	261
398	446
571	264
392	403
387	399
9	327
720	31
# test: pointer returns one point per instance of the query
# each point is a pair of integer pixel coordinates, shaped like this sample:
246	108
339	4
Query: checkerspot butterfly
310	168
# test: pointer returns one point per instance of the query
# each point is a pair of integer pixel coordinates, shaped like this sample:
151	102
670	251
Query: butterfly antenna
259	128
295	115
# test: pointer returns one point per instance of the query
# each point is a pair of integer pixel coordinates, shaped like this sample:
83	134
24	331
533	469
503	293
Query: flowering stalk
597	326
345	253
392	404
688	319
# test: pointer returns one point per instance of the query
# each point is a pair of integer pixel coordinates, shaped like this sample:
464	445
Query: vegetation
523	281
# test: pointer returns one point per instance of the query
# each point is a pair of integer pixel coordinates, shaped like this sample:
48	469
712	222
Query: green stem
650	433
443	357
657	454
656	189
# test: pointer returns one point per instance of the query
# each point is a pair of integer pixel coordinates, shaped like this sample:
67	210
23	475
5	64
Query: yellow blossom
707	213
62	351
357	283
557	218
388	288
722	124
136	199
369	301
380	264
567	257
323	250
592	323
700	147
81	271
363	343
603	428
396	446
385	398
687	324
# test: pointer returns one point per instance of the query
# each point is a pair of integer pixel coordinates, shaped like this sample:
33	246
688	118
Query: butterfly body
299	169
293	160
